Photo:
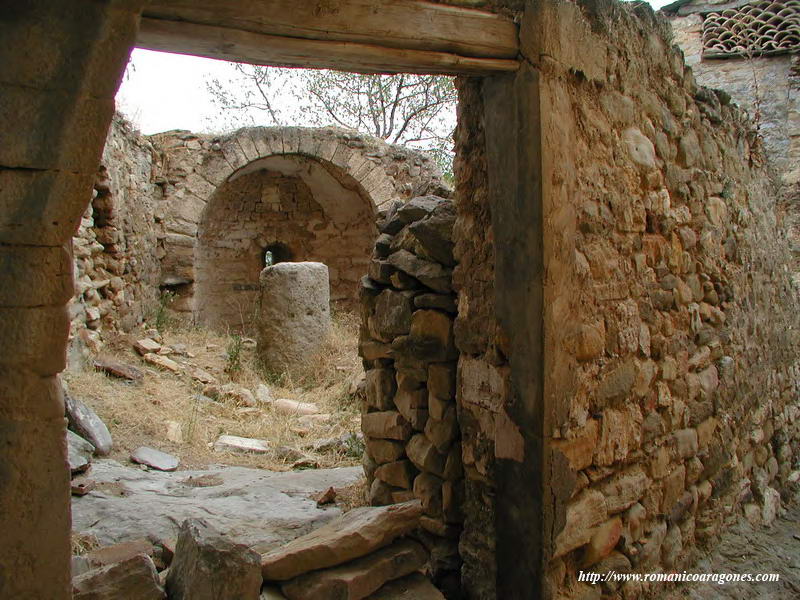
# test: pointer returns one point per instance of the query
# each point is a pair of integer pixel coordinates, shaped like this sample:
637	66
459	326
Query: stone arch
309	209
200	169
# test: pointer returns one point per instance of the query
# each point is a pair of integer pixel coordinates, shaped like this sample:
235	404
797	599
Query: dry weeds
166	411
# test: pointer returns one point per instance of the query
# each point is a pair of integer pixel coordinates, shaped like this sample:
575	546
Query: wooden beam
402	24
242	46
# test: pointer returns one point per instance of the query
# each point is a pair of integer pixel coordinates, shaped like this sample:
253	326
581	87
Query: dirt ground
747	549
169	411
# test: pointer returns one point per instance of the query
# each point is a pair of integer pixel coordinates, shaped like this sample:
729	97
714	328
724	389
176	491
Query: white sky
163	91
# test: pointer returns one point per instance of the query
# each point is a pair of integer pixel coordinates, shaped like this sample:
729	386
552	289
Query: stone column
294	314
60	65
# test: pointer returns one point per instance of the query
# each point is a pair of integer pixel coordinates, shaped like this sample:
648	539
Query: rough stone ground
256	507
747	549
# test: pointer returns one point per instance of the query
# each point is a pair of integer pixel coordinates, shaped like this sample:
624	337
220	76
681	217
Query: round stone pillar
293	315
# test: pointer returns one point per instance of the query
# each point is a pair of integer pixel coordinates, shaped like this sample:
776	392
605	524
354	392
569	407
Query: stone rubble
117	369
358	578
209	566
233	443
155	459
369	552
79	452
351	557
85	422
132	579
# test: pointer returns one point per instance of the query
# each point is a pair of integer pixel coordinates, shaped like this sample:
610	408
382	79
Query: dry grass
143	414
354	495
83	543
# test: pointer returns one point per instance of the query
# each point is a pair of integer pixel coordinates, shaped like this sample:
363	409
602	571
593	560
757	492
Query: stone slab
260	508
85	422
234	443
361	577
359	532
156	459
79	452
133	579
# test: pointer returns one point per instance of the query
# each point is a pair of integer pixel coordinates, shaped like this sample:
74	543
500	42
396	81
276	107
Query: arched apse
344	173
295	208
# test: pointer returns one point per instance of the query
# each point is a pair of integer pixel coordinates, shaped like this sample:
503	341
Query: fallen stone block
133	579
116	553
85	422
237	395
355	534
79	452
234	443
209	566
202	376
314	420
155	459
361	577
80	486
263	394
293	407
145	346
162	362
118	369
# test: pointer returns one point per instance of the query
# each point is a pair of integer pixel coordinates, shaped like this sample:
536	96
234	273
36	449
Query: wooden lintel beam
402	24
243	46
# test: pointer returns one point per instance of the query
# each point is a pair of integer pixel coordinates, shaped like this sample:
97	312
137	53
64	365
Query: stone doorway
52	178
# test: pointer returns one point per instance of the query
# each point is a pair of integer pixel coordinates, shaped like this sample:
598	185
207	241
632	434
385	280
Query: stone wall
660	399
409	415
117	271
670	388
329	183
767	87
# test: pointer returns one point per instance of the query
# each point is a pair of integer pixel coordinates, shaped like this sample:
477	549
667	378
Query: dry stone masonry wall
116	269
766	86
669	371
670	380
410	419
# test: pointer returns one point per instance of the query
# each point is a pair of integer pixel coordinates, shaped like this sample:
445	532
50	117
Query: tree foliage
414	110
